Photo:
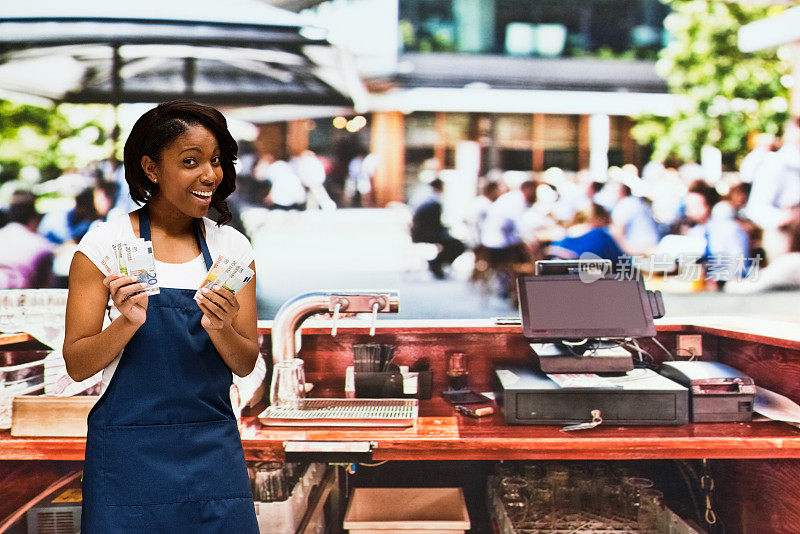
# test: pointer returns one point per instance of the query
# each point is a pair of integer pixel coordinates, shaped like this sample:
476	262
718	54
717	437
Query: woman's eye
216	160
189	161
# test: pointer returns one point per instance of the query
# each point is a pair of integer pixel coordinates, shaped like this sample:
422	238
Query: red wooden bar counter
757	465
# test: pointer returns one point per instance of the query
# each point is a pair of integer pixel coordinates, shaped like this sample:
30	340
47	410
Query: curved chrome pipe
296	310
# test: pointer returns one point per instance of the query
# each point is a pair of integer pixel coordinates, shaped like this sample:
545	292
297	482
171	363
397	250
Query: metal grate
577	520
56	522
344	412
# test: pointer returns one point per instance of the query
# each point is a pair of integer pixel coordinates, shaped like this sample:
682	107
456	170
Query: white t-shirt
221	240
287	189
503	219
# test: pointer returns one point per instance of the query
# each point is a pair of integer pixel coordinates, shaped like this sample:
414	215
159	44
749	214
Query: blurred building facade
476	85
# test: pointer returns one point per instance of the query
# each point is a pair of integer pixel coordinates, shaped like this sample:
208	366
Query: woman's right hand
122	289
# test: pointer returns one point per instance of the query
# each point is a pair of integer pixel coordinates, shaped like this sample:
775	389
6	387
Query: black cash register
574	309
576	321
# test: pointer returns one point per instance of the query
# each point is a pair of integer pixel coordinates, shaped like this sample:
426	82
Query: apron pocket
222	472
144	464
160	464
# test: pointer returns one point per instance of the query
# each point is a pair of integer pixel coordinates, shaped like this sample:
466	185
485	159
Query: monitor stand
593	357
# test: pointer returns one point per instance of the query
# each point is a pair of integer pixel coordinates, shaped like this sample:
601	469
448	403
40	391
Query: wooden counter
759	460
771	358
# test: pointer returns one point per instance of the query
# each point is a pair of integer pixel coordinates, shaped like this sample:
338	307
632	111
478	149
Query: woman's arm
231	323
88	348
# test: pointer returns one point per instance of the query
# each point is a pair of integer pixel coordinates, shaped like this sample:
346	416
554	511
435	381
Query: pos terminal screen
566	307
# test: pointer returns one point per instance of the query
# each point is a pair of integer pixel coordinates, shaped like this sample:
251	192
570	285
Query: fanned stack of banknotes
135	258
227	274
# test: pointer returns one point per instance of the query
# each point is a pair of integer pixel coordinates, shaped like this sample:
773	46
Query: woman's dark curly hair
159	127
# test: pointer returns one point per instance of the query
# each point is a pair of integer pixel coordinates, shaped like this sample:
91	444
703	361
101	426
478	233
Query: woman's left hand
219	307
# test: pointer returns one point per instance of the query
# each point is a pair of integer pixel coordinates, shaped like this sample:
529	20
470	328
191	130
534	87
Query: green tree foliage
50	139
724	94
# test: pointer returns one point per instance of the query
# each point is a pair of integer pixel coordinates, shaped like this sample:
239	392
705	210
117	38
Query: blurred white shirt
503	219
287	189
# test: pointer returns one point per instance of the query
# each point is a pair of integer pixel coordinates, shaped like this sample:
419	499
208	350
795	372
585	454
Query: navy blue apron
163	452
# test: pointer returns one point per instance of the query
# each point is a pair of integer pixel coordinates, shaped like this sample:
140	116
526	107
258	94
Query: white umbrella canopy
237	52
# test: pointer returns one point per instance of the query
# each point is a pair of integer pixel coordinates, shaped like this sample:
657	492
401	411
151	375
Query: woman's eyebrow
198	149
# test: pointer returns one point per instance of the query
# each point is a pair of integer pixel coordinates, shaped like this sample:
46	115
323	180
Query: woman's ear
150	168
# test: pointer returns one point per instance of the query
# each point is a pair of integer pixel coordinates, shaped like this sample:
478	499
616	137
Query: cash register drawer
623	408
638	397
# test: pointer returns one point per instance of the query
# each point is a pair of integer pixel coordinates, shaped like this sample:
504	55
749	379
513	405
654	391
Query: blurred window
516	159
536	28
566	159
420	129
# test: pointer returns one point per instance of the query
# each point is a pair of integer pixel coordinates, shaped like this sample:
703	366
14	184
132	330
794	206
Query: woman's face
189	171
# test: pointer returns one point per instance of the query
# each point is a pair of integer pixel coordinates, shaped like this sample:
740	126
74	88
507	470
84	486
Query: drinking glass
581	479
652	511
288	387
301	372
269	483
512	497
557	477
533	473
457	371
632	487
541	502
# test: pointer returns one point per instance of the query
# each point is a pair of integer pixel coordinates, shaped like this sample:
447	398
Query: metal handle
375	308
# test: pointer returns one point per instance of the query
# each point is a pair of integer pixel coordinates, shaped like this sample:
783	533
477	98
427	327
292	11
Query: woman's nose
208	176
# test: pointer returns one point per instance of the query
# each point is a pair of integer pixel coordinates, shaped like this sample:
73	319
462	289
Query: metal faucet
296	310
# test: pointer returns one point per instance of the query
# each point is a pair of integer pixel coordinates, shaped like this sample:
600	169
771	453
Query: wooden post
296	137
388	144
440	141
628	144
584	148
271	139
537	136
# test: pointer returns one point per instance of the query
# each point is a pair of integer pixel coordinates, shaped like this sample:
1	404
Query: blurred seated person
776	184
286	191
725	244
732	206
91	205
588	234
427	227
478	208
27	261
311	172
360	175
500	234
633	223
737	197
782	272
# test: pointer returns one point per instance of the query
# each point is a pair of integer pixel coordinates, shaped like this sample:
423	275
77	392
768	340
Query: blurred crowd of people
306	180
739	231
742	229
45	221
41	242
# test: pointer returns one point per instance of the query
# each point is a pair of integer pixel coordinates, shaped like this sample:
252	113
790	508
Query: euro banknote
228	274
135	258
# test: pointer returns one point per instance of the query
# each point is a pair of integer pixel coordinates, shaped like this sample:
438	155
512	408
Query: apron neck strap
144	233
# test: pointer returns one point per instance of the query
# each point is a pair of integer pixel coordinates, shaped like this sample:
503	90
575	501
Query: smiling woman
190	143
163	452
190	169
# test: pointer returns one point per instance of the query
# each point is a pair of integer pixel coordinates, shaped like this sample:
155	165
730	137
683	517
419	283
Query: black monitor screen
566	307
